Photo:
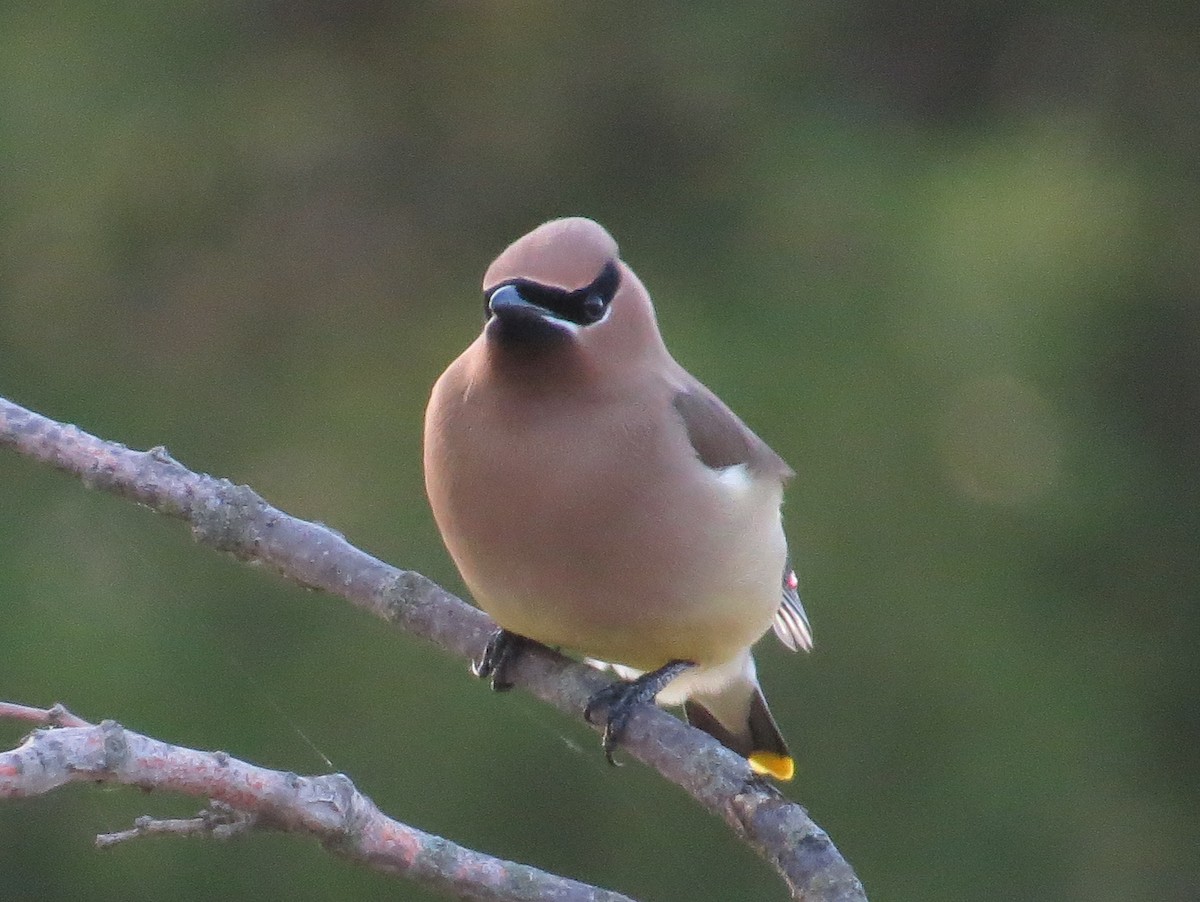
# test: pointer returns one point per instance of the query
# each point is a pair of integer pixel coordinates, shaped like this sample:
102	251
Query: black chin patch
529	327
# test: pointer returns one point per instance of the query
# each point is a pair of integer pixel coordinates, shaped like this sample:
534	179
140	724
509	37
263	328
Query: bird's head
562	291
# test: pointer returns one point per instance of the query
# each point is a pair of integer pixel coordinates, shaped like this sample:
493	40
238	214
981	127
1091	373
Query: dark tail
740	720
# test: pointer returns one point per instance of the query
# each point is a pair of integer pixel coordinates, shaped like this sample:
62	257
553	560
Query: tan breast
586	521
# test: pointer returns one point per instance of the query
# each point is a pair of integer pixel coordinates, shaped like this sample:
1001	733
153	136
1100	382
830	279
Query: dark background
944	260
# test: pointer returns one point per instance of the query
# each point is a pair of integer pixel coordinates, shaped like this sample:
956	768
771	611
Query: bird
596	497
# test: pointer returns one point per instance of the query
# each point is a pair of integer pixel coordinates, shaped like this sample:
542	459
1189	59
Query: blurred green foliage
944	259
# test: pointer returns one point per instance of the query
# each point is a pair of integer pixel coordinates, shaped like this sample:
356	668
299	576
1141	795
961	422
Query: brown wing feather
791	623
720	438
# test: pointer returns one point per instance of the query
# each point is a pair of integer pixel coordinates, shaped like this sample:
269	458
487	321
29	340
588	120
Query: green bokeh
946	262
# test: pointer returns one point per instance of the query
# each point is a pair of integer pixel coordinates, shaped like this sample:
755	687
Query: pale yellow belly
650	589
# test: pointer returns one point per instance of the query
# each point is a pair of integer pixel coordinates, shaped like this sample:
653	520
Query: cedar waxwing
595	496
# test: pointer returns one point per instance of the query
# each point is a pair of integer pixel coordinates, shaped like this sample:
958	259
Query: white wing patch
736	478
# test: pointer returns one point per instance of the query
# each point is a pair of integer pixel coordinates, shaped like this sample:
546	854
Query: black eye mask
583	306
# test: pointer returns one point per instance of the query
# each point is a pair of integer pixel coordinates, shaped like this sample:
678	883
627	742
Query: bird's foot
760	785
502	649
620	698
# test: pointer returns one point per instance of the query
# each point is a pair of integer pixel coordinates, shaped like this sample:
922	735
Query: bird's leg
620	697
502	649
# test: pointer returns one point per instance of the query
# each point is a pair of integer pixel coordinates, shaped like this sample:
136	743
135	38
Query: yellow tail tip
781	767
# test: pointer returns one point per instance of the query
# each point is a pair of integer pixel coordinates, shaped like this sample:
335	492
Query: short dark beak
507	302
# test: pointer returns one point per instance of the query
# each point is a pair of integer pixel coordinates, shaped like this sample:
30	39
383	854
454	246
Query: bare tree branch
54	716
235	519
327	807
218	820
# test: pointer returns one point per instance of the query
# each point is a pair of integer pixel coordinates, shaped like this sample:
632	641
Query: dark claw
758	783
621	697
502	649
